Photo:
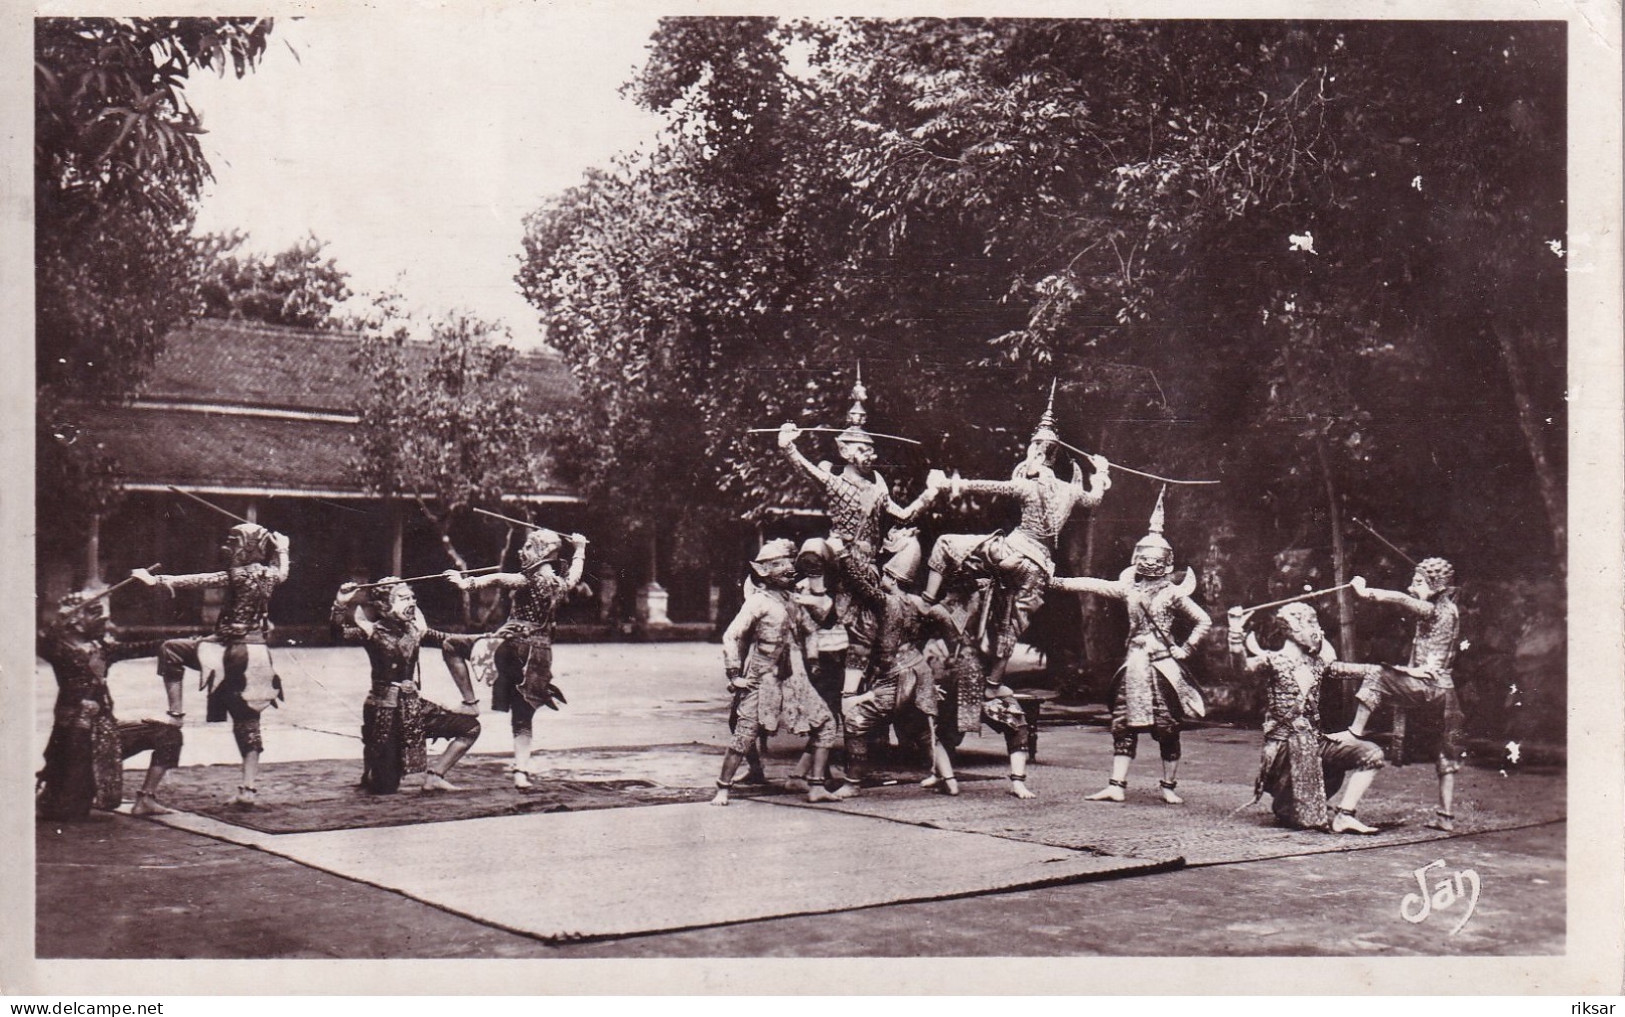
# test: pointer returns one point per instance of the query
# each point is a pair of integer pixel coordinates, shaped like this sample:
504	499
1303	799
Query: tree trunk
1551	487
442	526
1340	569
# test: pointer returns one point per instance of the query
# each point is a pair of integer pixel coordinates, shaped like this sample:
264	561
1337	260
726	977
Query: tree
295	286
117	169
1313	259
443	422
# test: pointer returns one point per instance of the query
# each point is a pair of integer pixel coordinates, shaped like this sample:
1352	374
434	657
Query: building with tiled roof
261	420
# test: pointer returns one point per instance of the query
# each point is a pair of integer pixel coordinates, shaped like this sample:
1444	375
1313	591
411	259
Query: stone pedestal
652	605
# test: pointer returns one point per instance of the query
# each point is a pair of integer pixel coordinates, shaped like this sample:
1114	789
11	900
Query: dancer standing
1427	682
899	685
764	652
1151	692
524	657
234	663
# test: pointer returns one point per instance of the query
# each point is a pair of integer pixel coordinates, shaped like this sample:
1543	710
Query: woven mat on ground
325	794
586	875
1208	829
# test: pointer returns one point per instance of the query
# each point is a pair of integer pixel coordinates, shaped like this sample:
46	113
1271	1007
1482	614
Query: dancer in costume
396	722
1427	682
84	756
859	502
1151	691
826	655
524	657
764	653
1023	560
1298	759
965	701
234	662
898	686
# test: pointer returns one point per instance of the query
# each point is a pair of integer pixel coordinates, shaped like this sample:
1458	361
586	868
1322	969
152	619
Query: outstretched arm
1088	584
1236	643
1418	607
1100	481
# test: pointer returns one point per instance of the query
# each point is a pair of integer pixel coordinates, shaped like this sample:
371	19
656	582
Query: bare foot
245	798
521	779
1106	794
1344	822
1442	821
931	782
434	782
846	790
796	782
820	793
147	805
1169	796
721	797
1020	790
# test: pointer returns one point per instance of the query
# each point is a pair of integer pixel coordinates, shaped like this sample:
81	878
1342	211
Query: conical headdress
857	416
1046	424
1153	555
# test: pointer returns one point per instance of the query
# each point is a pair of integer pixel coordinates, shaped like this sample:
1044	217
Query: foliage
444	422
117	169
295	286
1312	259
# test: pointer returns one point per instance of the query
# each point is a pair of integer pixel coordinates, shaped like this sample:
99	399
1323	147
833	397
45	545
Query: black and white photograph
1061	499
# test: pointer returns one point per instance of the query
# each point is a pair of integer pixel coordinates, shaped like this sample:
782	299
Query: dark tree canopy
1318	260
295	286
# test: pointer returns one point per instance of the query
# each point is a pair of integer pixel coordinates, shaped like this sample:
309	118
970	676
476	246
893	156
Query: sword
109	591
833	430
206	503
510	519
1385	540
1301	596
435	575
1127	469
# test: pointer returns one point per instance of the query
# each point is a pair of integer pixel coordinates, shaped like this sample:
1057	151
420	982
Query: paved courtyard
654	715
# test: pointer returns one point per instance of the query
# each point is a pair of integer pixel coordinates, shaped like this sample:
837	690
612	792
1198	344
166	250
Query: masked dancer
1151	692
898	687
84	756
1023	560
1427	682
396	721
524	656
764	654
1298	759
234	662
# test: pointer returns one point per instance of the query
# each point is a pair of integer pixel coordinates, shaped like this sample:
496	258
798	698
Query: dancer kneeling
1298	758
764	651
84	757
396	722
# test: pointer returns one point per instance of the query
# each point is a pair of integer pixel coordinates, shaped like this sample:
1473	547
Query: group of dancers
838	638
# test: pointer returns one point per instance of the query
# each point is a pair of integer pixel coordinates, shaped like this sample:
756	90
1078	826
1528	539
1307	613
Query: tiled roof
249	364
279	380
191	449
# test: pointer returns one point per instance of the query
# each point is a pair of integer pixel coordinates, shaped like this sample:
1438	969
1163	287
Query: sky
415	144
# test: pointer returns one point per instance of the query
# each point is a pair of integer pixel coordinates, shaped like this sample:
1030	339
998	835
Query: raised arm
788	434
578	561
1100	482
342	615
906	513
279	571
